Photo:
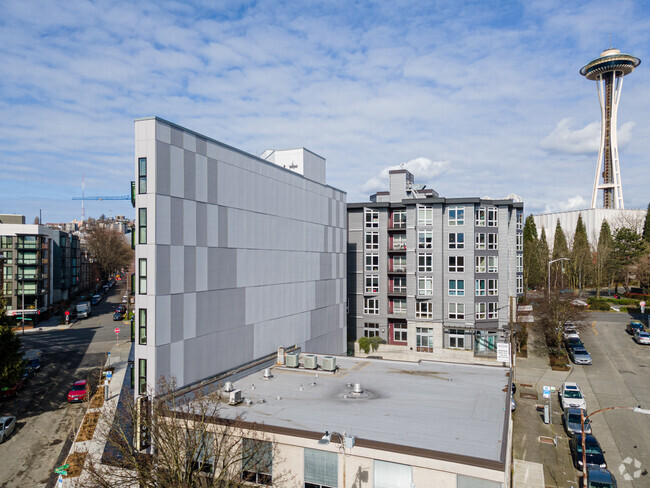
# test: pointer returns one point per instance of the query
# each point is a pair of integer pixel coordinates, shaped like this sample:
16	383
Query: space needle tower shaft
608	71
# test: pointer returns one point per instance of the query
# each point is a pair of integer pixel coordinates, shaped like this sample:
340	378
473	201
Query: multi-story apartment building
235	256
41	266
432	276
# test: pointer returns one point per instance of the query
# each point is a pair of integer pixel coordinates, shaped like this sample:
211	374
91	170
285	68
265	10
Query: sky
476	98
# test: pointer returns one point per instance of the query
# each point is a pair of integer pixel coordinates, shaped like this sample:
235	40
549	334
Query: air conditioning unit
292	361
235	397
329	363
311	362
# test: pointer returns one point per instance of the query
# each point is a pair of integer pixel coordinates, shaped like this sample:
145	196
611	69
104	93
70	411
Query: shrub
367	343
598	303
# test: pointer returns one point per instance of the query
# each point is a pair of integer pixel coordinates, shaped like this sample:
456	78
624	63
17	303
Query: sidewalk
120	355
53	323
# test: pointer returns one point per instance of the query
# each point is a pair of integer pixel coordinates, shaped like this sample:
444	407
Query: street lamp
345	442
549	273
582	424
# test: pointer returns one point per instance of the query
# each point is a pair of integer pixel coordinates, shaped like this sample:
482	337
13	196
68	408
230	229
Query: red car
78	392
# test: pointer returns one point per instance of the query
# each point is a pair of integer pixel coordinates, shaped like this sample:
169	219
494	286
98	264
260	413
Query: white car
642	337
571	396
7	426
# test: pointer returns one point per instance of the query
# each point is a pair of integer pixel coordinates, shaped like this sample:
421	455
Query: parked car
120	308
641	337
572	342
570	332
8	392
95	299
579	355
78	392
118	315
7	427
572	422
513	403
600	478
125	298
571	396
634	325
595	455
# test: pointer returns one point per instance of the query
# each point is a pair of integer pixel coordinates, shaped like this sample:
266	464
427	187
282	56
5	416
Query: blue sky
477	98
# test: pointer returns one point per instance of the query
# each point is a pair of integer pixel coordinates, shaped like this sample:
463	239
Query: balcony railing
29	261
397	246
397	268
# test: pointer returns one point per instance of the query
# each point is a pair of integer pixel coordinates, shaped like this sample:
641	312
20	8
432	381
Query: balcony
31	276
30	261
397	268
397	246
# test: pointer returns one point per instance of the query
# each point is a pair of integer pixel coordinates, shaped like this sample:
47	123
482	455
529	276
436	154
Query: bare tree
109	248
190	444
553	312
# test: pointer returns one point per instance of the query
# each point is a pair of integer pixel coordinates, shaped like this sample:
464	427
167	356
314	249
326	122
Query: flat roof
457	409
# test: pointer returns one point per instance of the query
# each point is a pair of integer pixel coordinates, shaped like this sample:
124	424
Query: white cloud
422	168
573	203
564	139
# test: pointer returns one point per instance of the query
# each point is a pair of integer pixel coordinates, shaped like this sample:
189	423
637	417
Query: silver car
579	355
572	422
7	426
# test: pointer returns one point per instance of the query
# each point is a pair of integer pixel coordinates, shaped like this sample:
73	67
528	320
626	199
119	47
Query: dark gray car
571	422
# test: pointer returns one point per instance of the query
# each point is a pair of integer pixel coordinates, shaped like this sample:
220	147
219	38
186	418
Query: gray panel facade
242	256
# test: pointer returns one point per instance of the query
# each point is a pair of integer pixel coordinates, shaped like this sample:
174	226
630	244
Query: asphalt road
46	422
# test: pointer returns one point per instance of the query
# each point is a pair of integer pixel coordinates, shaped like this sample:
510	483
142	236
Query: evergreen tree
628	248
12	365
646	225
560	250
533	268
603	261
581	259
544	254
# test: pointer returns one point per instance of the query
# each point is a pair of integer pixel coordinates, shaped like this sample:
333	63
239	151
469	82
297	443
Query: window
372	283
399	219
425	239
425	263
372	262
520	220
480	288
142	376
142	175
425	216
398	263
456	310
321	469
456	240
8	273
493	264
7	288
399	284
6	241
493	310
471	482
424	339
372	218
480	264
520	242
399	332
456	264
371	306
456	216
9	257
425	286
372	240
520	285
143	277
398	241
456	339
370	330
142	326
520	263
493	242
424	310
480	311
201	450
392	475
142	225
257	461
480	242
493	287
63	241
480	217
399	306
457	288
492	217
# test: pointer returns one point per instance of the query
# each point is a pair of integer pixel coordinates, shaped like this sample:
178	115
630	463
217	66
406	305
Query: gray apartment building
434	277
41	266
236	255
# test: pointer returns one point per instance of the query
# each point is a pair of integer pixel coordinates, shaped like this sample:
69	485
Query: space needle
608	71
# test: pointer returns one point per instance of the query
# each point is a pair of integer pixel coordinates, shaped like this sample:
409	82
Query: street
46	422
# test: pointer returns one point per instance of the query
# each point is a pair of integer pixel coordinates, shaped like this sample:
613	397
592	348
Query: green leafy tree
12	365
533	266
628	248
581	263
560	250
646	225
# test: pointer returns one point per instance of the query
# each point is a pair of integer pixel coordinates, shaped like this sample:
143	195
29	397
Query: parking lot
617	377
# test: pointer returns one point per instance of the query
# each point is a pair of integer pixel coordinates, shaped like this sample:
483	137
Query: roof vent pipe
357	389
267	374
227	387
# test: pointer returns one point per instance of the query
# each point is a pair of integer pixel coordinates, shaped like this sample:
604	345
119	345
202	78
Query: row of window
454	338
455	216
424	310
456	240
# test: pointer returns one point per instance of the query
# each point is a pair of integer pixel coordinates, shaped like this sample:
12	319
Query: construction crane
83	198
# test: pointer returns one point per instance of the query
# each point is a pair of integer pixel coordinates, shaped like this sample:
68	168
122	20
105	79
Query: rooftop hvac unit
235	397
329	363
227	387
292	361
311	362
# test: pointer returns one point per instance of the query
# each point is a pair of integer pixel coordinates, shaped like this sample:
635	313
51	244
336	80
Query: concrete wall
242	256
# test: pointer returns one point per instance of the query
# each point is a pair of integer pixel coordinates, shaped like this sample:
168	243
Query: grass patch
76	461
98	399
88	427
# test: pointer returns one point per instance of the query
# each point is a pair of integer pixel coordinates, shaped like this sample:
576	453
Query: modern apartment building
433	276
235	255
41	266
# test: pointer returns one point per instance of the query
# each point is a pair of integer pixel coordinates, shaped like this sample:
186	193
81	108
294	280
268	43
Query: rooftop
451	408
